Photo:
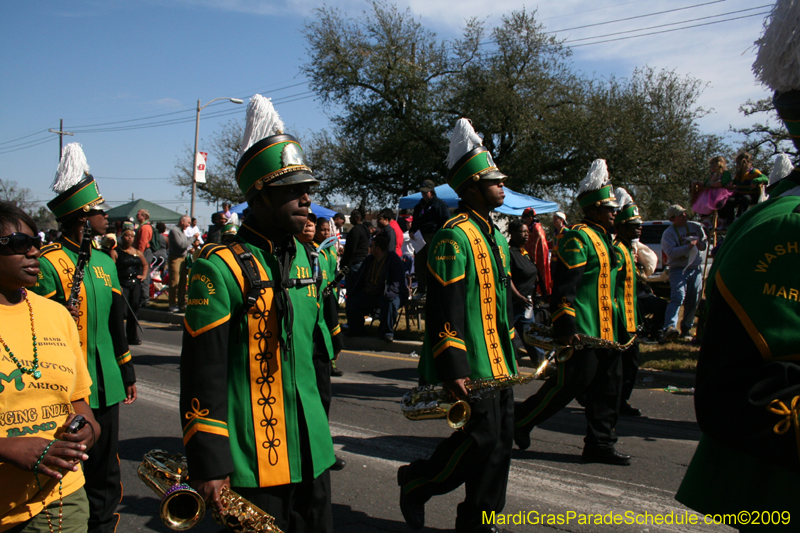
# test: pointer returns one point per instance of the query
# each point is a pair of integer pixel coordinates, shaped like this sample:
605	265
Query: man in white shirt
193	231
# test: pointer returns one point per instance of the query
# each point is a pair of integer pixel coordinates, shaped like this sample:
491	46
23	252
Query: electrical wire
670	24
673	29
637	17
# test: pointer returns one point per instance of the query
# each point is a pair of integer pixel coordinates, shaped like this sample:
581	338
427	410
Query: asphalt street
371	434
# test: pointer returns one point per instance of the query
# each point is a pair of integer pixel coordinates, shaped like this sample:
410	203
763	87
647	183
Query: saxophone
182	507
427	402
544	337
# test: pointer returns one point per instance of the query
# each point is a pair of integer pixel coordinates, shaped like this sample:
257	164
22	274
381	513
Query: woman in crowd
524	276
42	482
714	193
748	181
132	270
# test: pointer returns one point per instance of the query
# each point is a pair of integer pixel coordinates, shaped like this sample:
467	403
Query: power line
638	16
24	137
30	145
670	24
673	29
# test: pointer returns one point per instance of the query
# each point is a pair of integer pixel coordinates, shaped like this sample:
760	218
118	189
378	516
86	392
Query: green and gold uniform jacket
585	283
328	262
747	395
242	389
626	289
101	322
469	331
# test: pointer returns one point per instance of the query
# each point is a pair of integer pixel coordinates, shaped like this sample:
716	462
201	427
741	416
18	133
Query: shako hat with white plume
595	189
268	157
468	160
628	212
76	188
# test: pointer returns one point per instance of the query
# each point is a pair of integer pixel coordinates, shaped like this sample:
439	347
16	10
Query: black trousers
630	367
650	304
132	291
298	507
478	456
598	373
102	472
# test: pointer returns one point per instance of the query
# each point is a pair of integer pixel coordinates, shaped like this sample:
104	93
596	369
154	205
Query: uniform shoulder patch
456	220
210	249
50	247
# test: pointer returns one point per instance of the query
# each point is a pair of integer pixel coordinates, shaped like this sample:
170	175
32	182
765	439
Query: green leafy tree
765	139
386	73
223	154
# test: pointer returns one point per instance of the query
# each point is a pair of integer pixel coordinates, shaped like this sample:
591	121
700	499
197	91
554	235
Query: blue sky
97	62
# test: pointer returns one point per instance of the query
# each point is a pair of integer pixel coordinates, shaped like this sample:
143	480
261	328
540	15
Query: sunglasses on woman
20	243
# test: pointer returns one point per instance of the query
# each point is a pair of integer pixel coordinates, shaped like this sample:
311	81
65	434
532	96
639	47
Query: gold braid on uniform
265	357
791	418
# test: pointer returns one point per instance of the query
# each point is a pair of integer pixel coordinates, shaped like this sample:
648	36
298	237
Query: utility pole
61	134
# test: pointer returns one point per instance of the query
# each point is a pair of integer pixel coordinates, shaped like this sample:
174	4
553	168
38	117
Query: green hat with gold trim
468	159
76	188
629	212
268	157
230	229
596	189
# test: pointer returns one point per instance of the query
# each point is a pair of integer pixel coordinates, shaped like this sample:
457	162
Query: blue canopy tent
515	202
321	212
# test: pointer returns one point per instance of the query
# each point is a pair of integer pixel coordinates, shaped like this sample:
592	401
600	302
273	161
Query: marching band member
250	407
100	316
583	302
468	263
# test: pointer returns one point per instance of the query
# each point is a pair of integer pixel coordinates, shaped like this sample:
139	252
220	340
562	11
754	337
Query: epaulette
50	247
209	249
456	220
578	226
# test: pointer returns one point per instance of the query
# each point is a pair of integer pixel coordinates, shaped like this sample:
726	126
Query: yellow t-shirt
37	408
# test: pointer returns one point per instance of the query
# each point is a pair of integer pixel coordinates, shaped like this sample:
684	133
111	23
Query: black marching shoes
609	456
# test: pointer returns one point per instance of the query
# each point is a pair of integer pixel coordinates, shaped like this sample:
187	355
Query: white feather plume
623	198
777	64
780	169
595	178
71	169
262	121
462	141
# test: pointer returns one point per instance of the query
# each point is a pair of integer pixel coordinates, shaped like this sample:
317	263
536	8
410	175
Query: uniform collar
485	225
251	236
595	226
69	244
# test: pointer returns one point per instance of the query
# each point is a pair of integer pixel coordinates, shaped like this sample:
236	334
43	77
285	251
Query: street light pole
197	138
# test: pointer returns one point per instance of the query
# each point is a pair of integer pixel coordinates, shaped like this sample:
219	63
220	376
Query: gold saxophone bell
458	414
181	507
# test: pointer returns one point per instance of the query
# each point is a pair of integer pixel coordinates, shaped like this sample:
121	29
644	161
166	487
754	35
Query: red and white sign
200	159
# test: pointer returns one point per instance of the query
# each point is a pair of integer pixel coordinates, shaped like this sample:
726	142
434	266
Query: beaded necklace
34	370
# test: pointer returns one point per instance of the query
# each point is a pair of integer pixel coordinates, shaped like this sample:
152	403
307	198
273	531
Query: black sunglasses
20	243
